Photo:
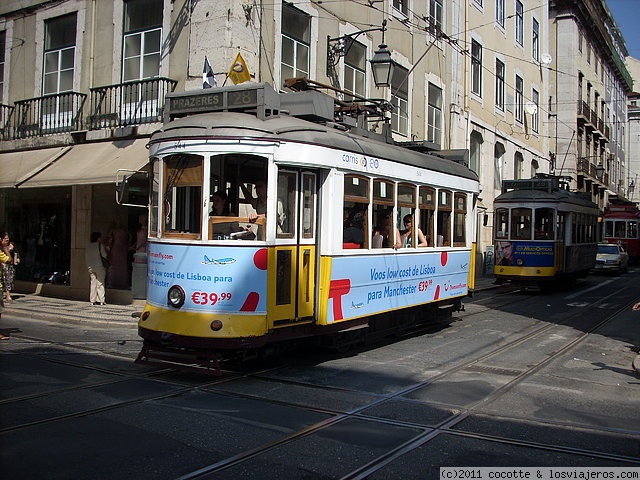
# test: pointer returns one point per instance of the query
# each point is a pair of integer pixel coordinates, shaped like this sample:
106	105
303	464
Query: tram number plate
206	298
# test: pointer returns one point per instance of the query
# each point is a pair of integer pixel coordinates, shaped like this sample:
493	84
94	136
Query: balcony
121	105
50	114
585	166
584	112
129	103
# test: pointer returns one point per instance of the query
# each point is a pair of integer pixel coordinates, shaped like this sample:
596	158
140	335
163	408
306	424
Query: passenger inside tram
406	234
353	230
221	209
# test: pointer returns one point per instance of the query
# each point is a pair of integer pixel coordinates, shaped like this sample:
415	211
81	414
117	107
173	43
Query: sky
627	16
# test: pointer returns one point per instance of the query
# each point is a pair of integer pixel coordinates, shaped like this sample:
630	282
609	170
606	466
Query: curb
636	363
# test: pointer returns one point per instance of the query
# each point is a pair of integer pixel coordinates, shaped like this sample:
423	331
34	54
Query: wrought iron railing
6	114
49	114
130	103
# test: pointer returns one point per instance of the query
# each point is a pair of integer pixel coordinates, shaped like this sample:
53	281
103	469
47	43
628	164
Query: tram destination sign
546	184
235	98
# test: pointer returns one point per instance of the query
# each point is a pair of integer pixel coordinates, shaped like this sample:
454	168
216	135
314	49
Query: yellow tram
543	231
296	251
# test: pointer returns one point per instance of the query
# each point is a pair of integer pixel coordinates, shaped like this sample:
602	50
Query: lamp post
381	63
600	171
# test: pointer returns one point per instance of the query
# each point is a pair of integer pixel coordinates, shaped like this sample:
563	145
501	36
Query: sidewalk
78	312
72	311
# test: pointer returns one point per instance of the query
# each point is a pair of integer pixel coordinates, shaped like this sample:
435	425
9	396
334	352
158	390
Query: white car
611	257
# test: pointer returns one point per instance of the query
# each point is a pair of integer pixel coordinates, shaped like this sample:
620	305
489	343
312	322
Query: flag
239	72
208	78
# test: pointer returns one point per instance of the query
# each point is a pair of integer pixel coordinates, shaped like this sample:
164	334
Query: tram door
291	289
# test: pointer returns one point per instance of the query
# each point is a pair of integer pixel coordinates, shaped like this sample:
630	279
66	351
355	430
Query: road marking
574	295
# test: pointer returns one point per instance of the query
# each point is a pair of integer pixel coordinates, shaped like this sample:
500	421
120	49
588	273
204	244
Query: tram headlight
176	296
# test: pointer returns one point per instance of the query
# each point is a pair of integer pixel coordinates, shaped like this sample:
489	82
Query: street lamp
600	171
381	63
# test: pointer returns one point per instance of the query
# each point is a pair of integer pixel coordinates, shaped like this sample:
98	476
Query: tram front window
544	224
502	223
521	223
182	195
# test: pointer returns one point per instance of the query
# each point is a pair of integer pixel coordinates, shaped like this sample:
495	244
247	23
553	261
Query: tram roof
227	125
554	196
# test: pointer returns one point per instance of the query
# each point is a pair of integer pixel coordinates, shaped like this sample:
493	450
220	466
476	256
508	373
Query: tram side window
406	206
155	195
182	195
427	206
608	228
521	223
355	212
621	231
385	227
502	223
632	230
460	219
543	229
444	219
593	229
560	226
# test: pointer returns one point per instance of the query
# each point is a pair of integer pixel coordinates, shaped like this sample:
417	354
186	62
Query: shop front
50	202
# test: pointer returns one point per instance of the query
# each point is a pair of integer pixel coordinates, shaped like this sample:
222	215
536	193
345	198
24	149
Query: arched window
475	151
518	163
498	153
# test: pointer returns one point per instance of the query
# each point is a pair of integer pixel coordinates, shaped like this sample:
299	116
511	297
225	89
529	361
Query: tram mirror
132	189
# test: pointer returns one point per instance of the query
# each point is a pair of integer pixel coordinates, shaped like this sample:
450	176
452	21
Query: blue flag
208	77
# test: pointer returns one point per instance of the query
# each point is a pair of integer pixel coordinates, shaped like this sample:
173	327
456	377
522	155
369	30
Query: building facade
83	83
588	103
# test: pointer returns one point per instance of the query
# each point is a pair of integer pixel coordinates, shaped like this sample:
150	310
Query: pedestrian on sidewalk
4	260
8	269
95	256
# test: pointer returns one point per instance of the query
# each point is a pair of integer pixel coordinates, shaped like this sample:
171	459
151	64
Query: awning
92	163
18	166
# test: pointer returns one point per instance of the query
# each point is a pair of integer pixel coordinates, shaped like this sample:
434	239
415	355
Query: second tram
322	230
543	231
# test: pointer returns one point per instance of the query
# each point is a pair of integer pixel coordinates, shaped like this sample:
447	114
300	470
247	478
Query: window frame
476	68
434	114
518	112
400	101
297	44
519	23
500	84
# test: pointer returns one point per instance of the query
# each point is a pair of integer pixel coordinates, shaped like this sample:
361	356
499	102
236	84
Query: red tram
621	226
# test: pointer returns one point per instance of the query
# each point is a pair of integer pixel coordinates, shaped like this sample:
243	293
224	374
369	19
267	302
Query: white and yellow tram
219	285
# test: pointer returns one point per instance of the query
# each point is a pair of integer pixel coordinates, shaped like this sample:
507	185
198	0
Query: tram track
445	427
431	432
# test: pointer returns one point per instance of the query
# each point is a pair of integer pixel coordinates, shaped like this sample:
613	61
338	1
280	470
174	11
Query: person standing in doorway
94	255
5	259
8	269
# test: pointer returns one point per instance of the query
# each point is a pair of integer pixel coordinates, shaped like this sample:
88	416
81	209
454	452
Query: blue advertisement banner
524	254
215	279
366	285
